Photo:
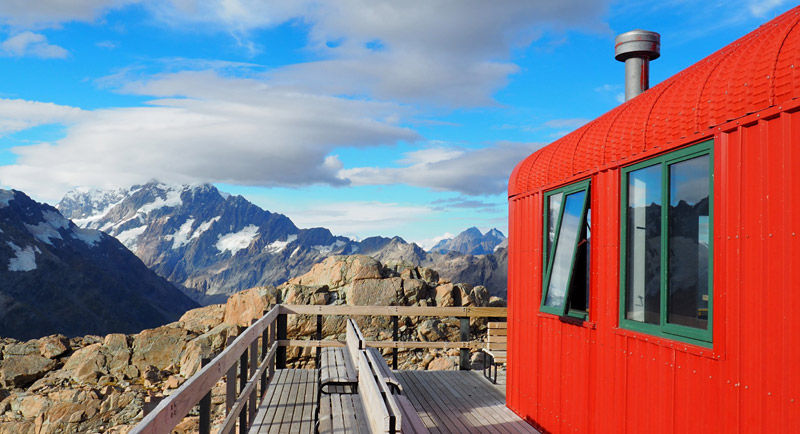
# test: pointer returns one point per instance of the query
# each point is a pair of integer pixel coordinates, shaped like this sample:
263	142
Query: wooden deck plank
456	401
283	410
447	402
269	407
459	401
484	405
444	419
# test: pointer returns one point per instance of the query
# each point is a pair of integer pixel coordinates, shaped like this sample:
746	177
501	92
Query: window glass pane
579	285
687	302
553	208
644	245
565	249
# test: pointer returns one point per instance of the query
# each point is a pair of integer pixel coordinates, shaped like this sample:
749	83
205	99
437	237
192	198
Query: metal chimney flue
637	48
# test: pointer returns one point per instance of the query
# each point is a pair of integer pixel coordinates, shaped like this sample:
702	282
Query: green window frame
660	322
570	281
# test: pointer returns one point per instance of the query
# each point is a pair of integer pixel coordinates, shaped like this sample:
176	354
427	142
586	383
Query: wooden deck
447	401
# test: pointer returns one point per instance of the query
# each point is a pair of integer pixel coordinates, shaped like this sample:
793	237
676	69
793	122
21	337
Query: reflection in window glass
643	266
687	302
554	208
565	249
579	285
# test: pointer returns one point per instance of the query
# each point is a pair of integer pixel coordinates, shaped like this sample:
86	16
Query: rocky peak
471	242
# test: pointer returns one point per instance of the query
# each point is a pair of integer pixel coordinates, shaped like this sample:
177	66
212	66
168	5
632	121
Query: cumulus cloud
205	127
472	172
31	44
17	114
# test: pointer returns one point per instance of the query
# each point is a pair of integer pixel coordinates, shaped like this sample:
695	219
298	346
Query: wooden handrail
169	413
470	311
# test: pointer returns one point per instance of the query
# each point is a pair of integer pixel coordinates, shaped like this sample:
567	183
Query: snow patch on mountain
279	246
173	200
182	236
25	259
204	227
236	241
44	232
330	248
128	238
89	236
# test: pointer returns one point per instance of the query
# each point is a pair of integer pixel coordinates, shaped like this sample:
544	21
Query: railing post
464	362
230	383
242	385
281	353
264	351
319	338
272	340
394	338
251	416
205	407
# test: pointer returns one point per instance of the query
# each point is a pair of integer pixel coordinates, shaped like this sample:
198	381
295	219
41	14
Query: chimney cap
637	43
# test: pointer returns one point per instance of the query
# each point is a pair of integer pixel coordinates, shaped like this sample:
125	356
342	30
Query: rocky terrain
58	278
101	383
212	244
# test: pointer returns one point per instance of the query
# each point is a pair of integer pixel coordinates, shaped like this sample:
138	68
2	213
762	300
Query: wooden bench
377	408
338	365
496	338
386	413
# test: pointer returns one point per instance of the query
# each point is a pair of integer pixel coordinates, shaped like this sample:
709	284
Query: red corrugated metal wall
597	378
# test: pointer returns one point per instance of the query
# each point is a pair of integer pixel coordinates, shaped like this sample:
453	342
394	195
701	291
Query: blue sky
368	117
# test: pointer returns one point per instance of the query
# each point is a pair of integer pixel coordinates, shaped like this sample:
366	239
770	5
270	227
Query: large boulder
86	364
338	271
20	371
118	355
203	319
448	295
245	306
53	346
374	292
161	347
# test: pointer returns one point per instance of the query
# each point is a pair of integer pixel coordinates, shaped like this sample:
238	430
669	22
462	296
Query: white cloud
48	13
18	114
356	219
31	44
446	53
205	128
469	171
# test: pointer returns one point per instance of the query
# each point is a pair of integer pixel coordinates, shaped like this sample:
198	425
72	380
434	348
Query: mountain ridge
58	278
212	244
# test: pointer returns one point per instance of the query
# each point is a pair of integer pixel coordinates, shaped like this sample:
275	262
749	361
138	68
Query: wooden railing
242	354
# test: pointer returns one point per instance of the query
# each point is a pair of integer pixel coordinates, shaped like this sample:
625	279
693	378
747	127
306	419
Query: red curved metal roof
758	71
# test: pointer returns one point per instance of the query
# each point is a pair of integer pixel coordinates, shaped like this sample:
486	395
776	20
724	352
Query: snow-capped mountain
472	242
213	244
58	278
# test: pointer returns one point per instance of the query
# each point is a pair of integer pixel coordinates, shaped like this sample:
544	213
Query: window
567	236
667	214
